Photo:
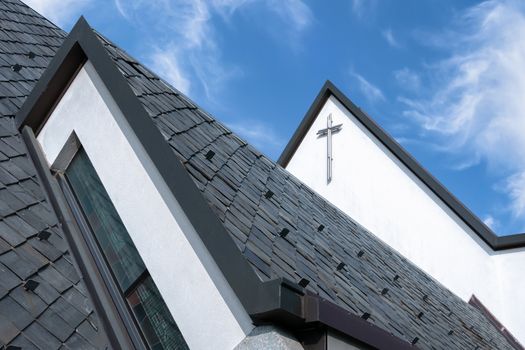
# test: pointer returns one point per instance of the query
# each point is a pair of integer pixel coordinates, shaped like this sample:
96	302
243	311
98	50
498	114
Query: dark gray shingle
375	281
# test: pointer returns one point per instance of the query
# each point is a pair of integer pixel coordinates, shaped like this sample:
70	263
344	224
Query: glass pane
113	238
154	319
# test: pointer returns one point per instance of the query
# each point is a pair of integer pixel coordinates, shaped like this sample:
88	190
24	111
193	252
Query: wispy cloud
60	12
294	12
407	79
167	64
491	222
361	8
369	90
187	51
389	37
477	101
259	135
515	187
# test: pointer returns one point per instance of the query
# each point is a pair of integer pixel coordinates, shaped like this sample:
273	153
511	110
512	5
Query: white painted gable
202	303
377	190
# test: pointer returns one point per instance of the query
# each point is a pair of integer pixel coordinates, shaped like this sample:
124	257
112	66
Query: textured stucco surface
269	337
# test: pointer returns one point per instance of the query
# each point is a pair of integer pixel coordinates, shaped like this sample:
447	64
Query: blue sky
445	78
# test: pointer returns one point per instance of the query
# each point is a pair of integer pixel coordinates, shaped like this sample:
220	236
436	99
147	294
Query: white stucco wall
373	187
202	303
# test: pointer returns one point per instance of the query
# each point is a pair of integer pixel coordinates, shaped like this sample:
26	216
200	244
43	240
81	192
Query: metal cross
328	133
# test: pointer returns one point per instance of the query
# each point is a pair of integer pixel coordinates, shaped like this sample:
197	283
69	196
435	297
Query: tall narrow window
126	267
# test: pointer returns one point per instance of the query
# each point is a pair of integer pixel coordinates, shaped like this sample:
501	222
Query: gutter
288	305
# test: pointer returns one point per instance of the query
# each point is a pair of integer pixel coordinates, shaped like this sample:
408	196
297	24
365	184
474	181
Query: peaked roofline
494	241
279	301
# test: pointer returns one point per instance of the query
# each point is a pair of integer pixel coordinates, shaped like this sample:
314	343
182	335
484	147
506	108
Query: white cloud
186	39
478	94
295	12
515	187
490	222
260	135
167	65
361	8
407	79
389	37
60	12
369	90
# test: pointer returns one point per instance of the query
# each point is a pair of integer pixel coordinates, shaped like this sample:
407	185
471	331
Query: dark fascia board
329	89
337	318
277	301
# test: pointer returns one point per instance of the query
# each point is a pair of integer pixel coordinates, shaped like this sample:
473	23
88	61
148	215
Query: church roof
493	241
375	282
254	209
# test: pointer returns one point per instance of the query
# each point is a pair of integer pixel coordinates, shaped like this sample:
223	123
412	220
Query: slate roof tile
56	279
234	182
76	341
8	330
51	321
42	338
20	226
23	343
17	264
28	300
45	291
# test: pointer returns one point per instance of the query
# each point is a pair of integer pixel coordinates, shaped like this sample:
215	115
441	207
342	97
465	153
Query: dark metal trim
277	301
105	273
339	319
329	89
114	329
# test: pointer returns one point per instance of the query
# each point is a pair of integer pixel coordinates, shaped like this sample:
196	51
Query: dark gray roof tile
8	330
4	246
78	300
235	181
9	235
31	302
51	321
8	280
46	248
17	264
68	312
67	269
42	339
76	341
22	342
45	291
27	252
20	226
87	330
13	311
55	279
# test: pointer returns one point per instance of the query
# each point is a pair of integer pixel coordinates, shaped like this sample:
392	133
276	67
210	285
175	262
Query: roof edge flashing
491	239
54	81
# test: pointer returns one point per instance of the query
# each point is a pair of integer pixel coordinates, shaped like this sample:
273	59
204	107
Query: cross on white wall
328	131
